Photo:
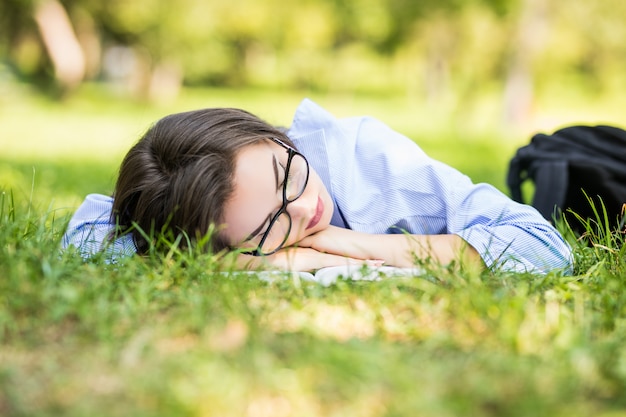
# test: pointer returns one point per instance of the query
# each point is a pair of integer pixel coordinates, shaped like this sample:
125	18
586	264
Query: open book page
329	275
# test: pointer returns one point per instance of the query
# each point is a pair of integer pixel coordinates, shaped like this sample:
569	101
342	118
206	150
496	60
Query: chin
323	224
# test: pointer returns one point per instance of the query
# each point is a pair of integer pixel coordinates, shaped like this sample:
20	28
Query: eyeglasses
294	183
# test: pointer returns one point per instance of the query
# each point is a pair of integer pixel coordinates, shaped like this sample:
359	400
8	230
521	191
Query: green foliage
601	244
421	47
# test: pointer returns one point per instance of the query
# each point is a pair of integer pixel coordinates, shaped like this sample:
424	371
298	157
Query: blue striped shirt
383	182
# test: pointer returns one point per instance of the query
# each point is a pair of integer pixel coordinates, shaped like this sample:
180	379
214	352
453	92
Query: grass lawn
171	336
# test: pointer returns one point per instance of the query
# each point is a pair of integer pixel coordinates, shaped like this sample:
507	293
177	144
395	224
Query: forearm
402	250
523	247
405	250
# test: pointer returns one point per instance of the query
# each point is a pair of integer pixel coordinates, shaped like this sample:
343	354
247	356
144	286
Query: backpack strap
514	178
549	174
551	181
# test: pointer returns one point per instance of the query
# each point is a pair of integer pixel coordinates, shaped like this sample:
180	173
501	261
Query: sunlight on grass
172	336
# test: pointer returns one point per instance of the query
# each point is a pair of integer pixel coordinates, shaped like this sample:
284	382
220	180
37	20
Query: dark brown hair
178	177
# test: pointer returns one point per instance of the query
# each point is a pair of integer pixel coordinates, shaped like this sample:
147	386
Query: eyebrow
258	229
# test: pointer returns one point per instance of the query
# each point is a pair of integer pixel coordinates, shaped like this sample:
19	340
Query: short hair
178	177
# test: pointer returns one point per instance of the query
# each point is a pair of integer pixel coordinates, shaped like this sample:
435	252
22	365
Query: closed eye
259	231
286	178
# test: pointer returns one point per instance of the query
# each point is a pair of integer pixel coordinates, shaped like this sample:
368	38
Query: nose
299	210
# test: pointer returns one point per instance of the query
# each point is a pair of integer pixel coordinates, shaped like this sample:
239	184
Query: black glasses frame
283	208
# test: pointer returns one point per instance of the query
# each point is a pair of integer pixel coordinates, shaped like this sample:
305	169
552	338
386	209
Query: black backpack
571	167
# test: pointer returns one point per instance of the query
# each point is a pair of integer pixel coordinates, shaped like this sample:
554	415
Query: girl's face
259	187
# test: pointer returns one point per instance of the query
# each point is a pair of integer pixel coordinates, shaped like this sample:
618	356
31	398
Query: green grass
171	336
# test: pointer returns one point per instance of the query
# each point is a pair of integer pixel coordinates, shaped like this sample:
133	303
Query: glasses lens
277	234
297	177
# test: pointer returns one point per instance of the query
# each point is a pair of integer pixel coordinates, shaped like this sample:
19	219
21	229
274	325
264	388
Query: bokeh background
469	80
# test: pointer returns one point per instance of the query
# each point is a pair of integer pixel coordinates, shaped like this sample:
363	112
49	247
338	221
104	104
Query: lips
319	210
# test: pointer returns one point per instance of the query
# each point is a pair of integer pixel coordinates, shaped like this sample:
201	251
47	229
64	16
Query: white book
330	275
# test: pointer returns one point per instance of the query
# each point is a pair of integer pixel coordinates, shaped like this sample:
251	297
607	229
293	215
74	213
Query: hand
295	259
338	241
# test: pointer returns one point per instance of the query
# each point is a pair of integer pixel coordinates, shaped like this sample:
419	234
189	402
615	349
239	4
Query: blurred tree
19	43
61	44
445	51
38	39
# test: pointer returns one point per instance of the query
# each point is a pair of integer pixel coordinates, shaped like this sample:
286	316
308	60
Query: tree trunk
61	44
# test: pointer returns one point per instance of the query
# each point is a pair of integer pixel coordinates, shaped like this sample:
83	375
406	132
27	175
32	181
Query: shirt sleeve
383	182
508	235
91	231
